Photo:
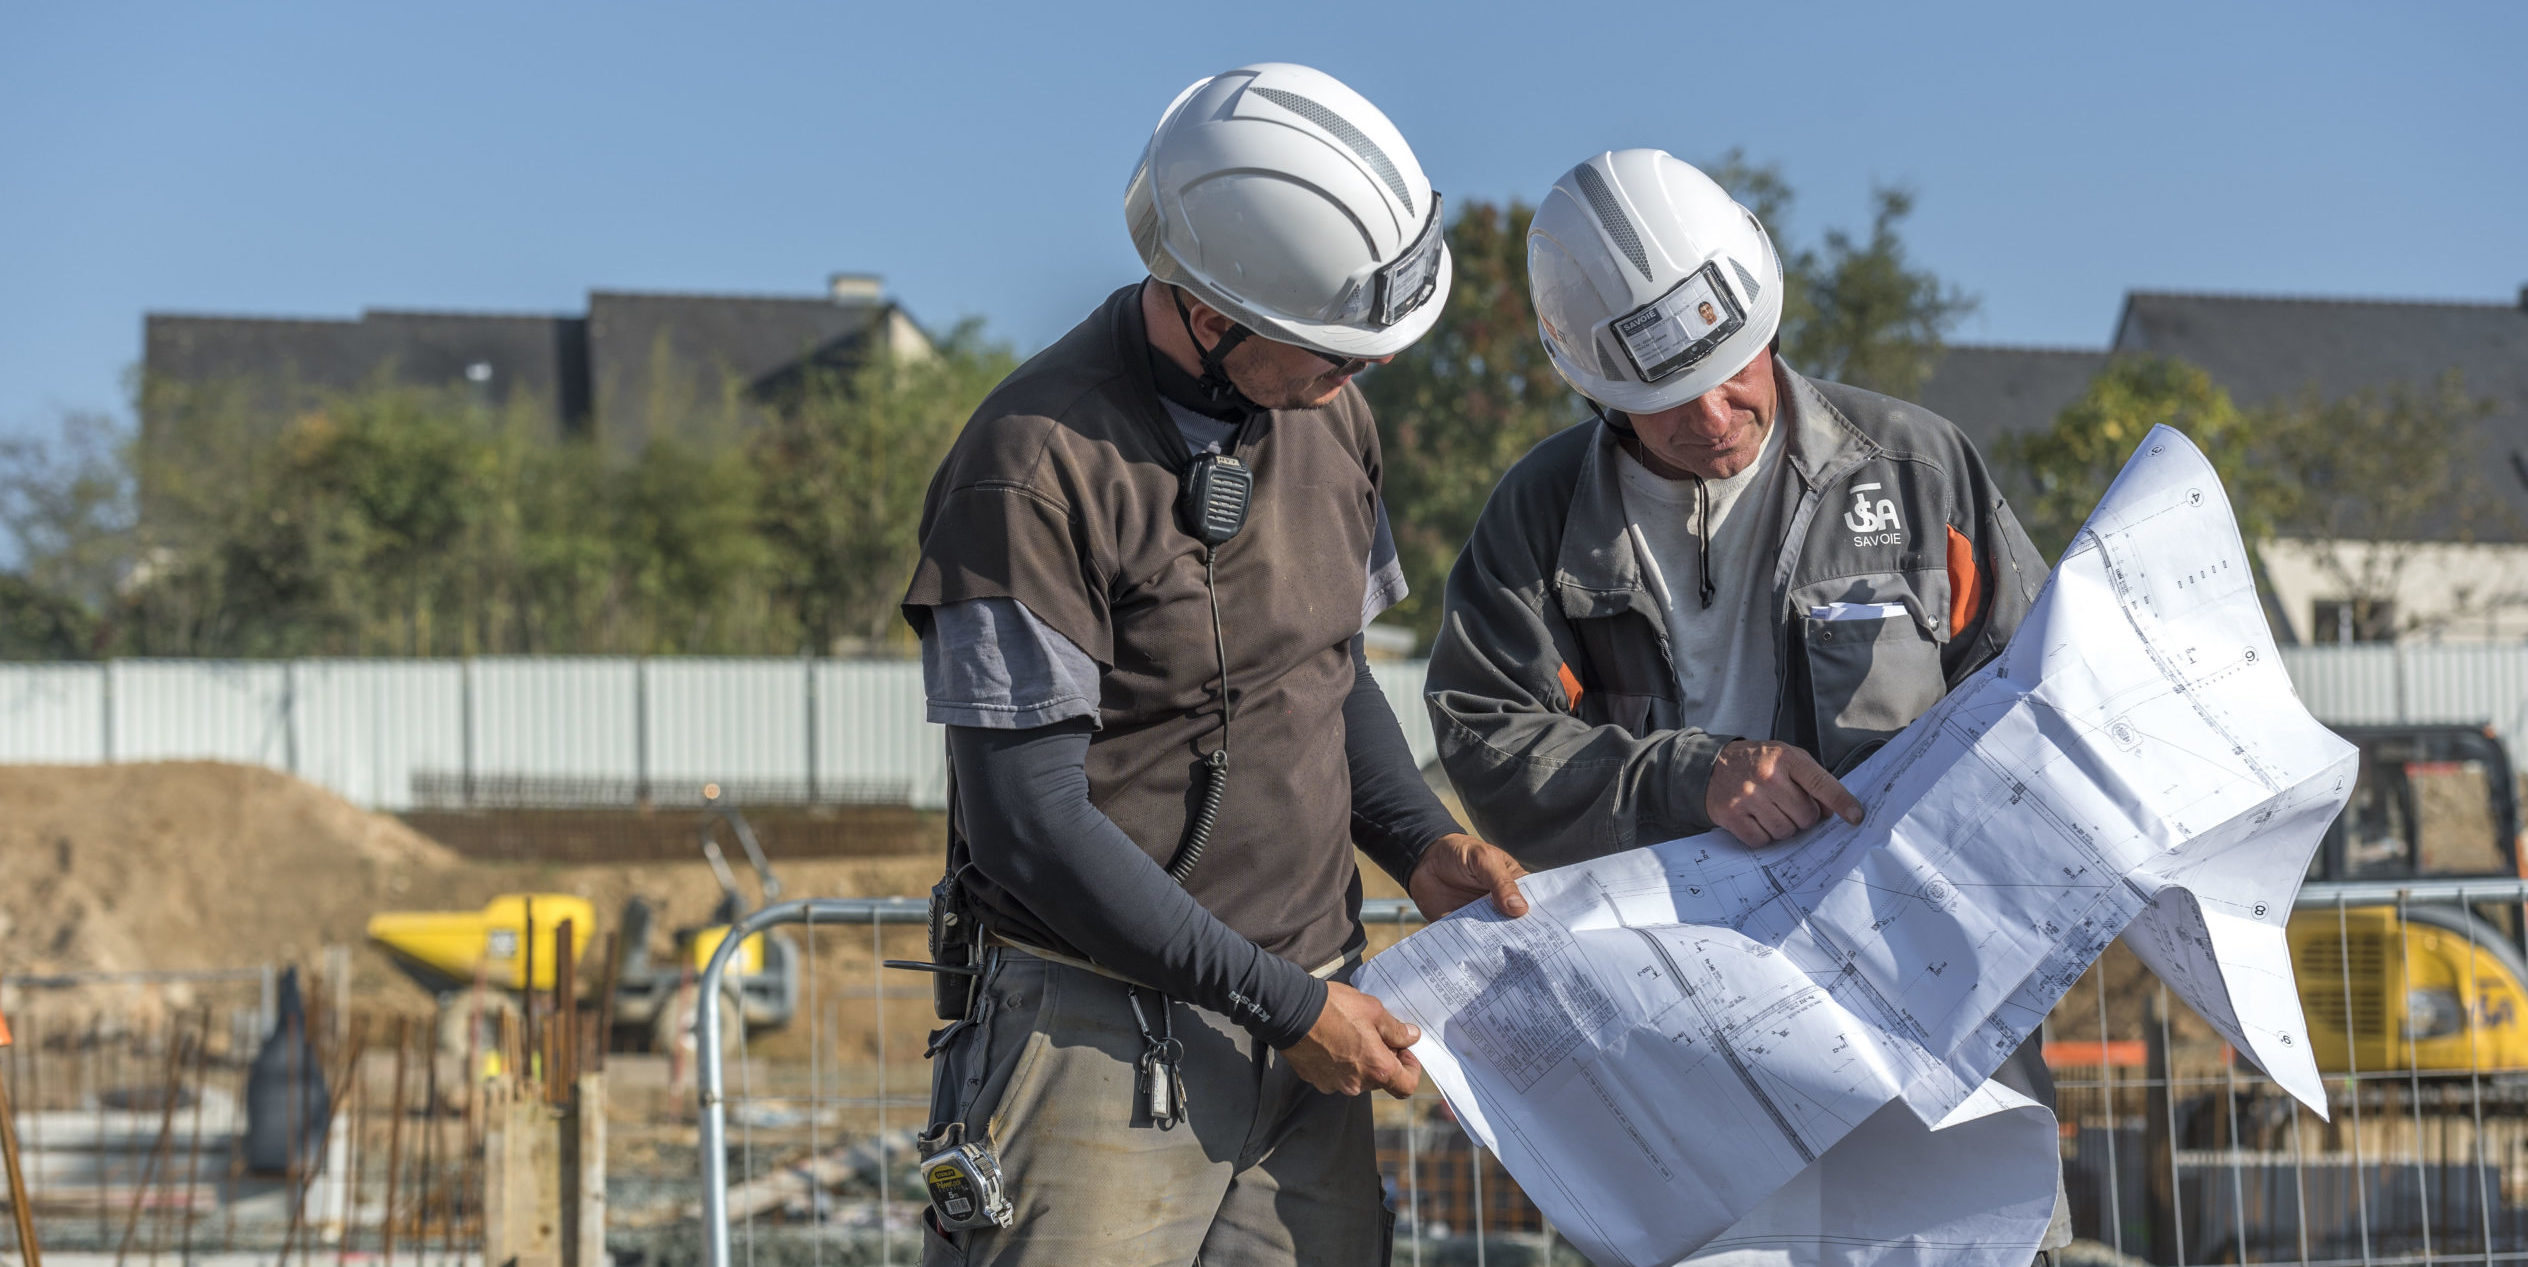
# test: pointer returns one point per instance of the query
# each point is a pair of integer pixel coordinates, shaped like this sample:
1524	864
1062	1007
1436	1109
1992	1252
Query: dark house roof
285	363
652	352
608	373
2264	350
1991	392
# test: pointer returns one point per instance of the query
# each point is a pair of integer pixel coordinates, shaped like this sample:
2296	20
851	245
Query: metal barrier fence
587	731
547	732
2175	1150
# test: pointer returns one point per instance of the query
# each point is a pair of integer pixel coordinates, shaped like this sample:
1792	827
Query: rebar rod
395	1141
20	1205
193	1150
168	1087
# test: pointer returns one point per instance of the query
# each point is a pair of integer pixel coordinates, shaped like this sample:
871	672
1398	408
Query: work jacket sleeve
1537	777
1995	571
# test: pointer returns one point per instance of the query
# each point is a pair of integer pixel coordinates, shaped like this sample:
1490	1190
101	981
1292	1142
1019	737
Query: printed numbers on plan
2202	574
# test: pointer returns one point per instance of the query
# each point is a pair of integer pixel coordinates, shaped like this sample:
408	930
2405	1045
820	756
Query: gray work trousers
1265	1169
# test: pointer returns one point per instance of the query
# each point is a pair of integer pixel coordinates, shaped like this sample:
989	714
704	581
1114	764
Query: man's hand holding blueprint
1784	1052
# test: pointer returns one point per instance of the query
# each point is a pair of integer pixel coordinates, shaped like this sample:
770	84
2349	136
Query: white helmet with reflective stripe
1291	205
1652	286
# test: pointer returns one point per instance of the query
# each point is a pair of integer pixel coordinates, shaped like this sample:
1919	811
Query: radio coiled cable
1216	766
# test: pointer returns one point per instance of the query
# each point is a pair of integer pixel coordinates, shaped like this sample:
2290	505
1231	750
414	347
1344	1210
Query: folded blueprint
1782	1055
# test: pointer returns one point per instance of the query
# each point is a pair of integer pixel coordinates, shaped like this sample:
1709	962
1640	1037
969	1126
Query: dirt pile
199	865
189	865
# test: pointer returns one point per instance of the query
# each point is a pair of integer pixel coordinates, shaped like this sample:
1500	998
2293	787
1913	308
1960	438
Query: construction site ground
188	867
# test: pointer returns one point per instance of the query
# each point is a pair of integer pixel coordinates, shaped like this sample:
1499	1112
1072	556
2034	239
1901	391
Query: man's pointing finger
1828	790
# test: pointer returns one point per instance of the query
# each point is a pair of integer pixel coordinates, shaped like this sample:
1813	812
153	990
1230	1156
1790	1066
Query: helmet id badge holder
1678	330
1407	282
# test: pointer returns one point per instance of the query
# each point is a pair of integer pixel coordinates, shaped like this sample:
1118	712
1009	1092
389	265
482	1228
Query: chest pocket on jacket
1624	675
1868	654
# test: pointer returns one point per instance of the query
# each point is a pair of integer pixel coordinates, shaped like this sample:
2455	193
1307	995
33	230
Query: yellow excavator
2434	987
447	952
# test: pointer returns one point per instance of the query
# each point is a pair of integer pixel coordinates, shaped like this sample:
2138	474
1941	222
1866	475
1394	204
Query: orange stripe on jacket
1571	686
1966	584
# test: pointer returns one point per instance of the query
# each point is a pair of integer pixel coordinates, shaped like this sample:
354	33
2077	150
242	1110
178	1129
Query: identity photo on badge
1677	330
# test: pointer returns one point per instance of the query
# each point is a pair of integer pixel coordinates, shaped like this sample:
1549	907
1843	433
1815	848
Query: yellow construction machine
2434	987
449	949
508	947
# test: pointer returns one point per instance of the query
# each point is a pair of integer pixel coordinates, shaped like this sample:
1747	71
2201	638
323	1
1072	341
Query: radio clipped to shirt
1217	492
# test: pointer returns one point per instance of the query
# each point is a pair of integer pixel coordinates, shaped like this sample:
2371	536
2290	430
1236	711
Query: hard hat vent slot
1343	131
1746	279
1611	215
1610	365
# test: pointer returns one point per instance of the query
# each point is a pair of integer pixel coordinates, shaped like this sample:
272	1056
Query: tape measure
965	1187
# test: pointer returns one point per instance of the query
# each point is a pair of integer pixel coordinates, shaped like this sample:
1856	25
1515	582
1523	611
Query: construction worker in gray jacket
1698	610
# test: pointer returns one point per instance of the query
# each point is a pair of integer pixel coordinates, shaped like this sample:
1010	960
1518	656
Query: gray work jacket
1551	688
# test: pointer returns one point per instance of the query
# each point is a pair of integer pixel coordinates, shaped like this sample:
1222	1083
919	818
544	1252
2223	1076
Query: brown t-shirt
1061	493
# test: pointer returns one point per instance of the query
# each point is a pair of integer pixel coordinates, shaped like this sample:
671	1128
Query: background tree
2357	487
1458	407
42	624
549	554
1854	310
224	555
843	467
396	520
2374	479
2070	465
66	504
1867	316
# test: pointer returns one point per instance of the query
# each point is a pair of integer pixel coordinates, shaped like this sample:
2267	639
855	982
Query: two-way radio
1218	491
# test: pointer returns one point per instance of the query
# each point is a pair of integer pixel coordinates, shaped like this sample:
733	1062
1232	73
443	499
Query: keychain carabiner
1158	1074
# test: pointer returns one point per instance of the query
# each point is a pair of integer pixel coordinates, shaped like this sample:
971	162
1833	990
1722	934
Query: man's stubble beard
1307	390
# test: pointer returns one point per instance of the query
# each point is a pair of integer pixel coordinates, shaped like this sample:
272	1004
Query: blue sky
314	159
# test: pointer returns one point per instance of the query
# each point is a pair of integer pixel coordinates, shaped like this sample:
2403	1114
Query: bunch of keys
1159	1083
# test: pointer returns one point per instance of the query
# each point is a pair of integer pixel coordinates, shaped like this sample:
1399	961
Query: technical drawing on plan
1785	1053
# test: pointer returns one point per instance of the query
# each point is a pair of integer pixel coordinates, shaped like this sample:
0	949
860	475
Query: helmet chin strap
1214	383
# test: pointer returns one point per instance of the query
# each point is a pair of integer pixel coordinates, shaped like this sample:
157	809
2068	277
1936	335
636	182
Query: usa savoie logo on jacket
1873	523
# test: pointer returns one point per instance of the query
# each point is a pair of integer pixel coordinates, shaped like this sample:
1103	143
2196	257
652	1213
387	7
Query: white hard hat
1652	286
1289	204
